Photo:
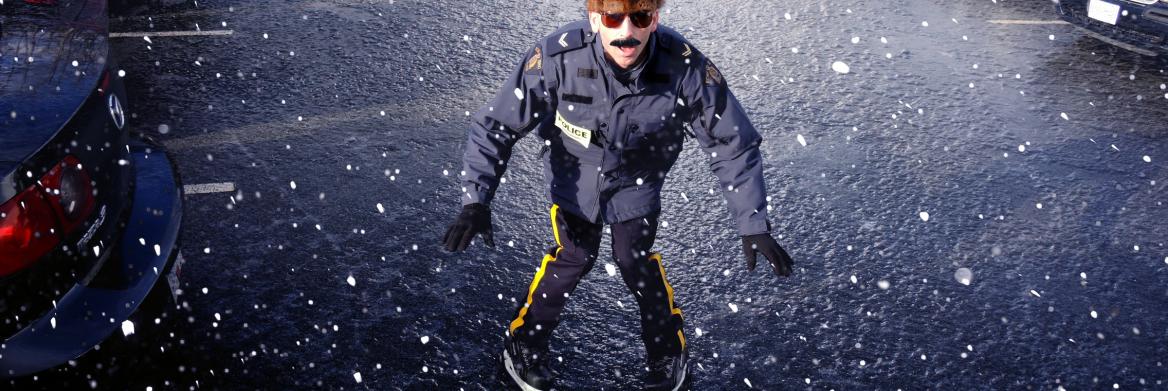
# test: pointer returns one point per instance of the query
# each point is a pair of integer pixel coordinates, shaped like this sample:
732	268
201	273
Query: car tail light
34	221
69	191
27	226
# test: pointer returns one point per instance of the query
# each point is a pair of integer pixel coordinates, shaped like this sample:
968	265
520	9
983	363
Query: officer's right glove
475	219
766	245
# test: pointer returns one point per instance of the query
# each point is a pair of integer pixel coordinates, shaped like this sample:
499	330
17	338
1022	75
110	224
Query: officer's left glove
765	244
474	219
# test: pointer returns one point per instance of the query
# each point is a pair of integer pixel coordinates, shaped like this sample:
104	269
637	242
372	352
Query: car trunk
56	102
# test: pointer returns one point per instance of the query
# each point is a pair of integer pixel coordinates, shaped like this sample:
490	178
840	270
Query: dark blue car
89	212
1137	25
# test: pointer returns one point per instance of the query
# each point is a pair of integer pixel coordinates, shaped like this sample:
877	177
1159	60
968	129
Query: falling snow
963	276
840	67
931	119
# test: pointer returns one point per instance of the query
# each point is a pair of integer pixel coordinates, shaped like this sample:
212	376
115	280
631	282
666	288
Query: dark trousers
577	245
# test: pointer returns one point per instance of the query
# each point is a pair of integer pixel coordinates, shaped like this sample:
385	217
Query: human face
630	41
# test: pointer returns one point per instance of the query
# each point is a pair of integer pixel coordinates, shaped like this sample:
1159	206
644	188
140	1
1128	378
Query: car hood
51	60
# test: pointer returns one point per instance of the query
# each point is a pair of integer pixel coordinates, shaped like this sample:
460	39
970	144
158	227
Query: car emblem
115	110
92	228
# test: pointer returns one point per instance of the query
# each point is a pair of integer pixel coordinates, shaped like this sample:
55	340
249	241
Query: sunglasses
641	19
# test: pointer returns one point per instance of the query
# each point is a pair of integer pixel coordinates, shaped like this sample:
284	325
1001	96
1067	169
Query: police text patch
576	133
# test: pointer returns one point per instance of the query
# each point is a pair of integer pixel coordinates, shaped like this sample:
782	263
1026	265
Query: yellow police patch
576	133
535	63
713	77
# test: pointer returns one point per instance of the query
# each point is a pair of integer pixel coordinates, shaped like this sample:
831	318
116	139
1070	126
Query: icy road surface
969	204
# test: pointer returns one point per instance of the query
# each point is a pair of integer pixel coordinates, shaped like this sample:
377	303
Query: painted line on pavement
397	114
139	34
207	188
1015	21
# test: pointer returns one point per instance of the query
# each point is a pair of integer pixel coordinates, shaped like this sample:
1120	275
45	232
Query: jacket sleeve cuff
755	225
470	196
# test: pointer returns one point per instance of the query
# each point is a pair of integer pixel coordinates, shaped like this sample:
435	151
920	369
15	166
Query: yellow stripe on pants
669	293
515	324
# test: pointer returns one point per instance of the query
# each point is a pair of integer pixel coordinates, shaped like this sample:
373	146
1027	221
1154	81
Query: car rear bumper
85	316
1144	28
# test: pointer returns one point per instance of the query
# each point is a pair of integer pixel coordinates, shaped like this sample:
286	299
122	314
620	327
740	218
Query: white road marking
1014	21
139	34
206	188
401	114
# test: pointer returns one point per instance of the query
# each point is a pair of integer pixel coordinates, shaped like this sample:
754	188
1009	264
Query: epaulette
564	41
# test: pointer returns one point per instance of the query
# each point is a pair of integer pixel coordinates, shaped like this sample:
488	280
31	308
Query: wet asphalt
1027	155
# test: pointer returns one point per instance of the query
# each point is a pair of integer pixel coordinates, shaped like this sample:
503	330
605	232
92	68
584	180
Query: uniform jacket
609	145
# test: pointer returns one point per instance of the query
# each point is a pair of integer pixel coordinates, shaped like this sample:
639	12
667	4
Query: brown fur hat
624	5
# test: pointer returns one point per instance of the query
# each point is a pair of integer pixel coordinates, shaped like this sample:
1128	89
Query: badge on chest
576	133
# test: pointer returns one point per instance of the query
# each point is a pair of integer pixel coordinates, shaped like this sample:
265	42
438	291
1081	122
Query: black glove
765	244
475	219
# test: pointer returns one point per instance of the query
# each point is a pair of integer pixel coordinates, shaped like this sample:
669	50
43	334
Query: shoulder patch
564	41
713	76
535	63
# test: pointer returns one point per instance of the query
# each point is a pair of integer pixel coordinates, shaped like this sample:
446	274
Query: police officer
613	98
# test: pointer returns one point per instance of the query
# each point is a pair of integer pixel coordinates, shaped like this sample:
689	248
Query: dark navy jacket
608	145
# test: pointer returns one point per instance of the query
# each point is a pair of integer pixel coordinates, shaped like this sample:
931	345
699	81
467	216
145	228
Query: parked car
89	211
1137	25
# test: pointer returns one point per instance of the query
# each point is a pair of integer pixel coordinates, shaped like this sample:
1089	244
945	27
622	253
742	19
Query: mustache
623	42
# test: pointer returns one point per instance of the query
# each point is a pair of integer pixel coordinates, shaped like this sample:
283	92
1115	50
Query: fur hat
624	5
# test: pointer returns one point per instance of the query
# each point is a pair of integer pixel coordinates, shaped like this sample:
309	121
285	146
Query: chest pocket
659	137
